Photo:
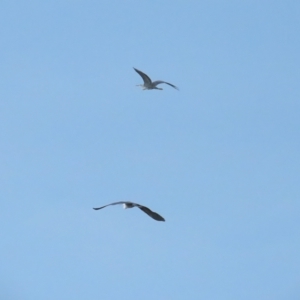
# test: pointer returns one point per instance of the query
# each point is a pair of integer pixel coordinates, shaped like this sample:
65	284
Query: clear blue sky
219	159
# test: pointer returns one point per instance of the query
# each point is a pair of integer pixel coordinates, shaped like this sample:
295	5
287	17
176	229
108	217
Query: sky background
219	159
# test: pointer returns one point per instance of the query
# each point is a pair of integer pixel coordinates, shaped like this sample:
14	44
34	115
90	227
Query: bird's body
128	204
149	85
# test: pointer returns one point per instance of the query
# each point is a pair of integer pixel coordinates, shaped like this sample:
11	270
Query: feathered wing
157	82
151	213
145	77
145	209
114	203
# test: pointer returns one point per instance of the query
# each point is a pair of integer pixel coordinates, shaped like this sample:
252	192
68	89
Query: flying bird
127	204
149	85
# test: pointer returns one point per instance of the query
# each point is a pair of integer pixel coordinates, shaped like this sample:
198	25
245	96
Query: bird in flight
127	204
149	85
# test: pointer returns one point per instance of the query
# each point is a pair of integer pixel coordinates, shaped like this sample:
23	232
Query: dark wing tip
172	85
160	218
157	217
151	213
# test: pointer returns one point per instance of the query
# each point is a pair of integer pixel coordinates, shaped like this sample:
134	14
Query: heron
127	204
149	85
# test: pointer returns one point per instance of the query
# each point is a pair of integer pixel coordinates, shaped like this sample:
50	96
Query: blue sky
219	159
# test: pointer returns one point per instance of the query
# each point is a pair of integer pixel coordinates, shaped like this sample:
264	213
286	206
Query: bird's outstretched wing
155	83
145	209
145	77
114	203
150	213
